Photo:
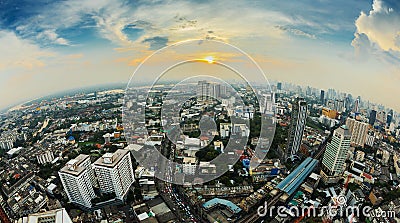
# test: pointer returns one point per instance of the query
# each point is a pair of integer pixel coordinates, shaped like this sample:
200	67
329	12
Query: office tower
297	125
333	162
331	93
279	86
267	103
381	117
372	117
53	216
356	106
339	105
389	117
77	184
203	90
115	173
358	130
322	97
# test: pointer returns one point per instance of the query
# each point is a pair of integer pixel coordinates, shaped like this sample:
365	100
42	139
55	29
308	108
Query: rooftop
111	159
296	178
217	201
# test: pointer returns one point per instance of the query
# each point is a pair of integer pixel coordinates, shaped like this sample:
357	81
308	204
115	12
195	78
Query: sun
209	59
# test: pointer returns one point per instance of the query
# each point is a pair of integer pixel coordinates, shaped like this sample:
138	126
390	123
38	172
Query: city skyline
57	46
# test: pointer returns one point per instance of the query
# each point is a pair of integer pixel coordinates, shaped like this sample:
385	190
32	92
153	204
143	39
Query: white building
370	139
189	168
6	144
53	216
241	130
45	157
225	129
333	162
84	161
115	173
77	184
359	131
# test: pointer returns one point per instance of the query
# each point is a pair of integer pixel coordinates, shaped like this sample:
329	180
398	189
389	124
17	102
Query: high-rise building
77	184
279	86
381	117
356	106
207	90
115	173
84	161
322	97
297	125
359	131
389	117
333	162
372	117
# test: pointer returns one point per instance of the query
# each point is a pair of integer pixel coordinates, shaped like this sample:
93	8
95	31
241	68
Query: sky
51	46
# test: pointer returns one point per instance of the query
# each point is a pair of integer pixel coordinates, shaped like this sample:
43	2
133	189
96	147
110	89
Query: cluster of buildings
112	174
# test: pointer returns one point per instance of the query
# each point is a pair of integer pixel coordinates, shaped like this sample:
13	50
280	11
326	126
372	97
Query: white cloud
378	29
16	52
52	36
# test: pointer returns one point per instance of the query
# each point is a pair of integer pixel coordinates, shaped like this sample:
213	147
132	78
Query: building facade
297	125
333	162
115	173
359	131
76	183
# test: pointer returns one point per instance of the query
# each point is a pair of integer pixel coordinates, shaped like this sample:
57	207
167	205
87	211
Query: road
180	208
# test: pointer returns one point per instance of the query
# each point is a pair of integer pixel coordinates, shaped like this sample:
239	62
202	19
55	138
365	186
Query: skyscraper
358	130
333	162
115	173
372	117
297	125
77	183
389	117
322	97
279	86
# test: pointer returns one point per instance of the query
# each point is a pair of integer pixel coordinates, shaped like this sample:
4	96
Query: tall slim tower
322	97
115	173
77	183
372	117
297	125
333	162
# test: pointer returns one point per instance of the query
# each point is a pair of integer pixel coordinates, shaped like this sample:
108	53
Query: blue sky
49	46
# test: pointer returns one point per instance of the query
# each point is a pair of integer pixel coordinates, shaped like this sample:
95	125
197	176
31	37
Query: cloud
378	31
156	42
296	32
52	36
20	53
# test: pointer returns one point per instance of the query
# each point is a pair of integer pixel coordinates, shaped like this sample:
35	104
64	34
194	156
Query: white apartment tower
115	173
333	162
77	184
